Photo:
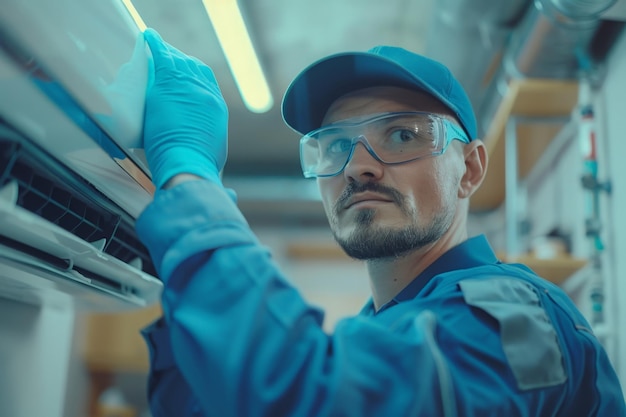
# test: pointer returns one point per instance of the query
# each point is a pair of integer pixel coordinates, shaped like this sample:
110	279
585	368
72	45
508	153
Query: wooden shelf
315	251
112	342
113	345
531	98
555	270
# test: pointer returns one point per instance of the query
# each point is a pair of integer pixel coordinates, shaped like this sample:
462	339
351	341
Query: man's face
379	211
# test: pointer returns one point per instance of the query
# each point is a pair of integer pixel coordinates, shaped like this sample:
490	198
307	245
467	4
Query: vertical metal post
511	188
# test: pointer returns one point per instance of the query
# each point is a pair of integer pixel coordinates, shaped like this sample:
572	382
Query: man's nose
363	164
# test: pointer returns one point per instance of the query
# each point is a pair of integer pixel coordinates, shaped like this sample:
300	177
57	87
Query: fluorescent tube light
134	14
235	41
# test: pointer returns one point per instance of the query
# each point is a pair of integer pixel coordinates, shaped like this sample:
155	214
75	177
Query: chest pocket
528	338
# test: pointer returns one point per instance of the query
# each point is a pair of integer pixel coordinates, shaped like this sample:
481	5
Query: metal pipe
552	37
511	187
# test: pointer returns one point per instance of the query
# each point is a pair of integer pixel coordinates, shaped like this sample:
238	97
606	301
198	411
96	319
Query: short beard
369	241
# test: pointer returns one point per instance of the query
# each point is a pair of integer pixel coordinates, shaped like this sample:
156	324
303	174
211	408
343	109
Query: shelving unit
556	270
530	99
528	118
302	251
112	345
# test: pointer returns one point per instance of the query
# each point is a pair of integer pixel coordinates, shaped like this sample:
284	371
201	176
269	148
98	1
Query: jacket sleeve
168	391
237	340
243	342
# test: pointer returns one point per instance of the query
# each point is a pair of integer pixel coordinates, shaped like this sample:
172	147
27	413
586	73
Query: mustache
354	188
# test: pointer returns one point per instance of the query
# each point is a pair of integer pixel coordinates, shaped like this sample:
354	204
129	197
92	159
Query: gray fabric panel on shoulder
529	340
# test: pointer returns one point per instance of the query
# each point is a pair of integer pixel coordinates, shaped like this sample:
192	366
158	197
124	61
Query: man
450	331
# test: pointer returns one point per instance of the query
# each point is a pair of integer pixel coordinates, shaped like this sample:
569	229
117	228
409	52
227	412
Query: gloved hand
186	120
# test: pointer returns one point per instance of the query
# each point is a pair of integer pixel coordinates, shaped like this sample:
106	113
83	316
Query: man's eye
404	136
339	146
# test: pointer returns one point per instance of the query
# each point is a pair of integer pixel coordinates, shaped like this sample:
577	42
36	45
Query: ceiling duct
551	42
553	39
486	43
469	36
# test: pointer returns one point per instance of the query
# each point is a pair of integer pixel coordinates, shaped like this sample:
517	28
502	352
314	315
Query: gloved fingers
165	56
186	117
232	194
181	60
209	76
193	66
198	66
190	64
161	51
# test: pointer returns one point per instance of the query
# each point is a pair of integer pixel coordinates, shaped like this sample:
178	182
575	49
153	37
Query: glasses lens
403	137
391	138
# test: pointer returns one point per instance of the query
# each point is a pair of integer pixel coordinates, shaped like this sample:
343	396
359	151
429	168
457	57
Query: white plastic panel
92	49
31	230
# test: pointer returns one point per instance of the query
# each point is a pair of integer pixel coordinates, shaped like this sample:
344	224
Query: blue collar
473	252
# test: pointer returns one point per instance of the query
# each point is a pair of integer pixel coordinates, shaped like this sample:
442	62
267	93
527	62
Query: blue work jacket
470	336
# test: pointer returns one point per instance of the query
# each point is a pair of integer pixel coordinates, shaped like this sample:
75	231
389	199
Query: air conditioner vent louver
48	192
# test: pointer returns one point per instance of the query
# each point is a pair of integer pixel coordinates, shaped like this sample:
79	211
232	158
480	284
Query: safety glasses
391	138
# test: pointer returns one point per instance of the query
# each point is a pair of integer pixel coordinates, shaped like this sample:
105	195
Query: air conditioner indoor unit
73	76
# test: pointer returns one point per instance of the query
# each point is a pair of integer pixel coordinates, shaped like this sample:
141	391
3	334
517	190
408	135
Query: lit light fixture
134	14
235	41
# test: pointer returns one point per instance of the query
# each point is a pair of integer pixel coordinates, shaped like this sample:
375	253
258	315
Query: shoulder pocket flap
528	338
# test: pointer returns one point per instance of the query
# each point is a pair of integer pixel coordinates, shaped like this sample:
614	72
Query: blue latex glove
186	120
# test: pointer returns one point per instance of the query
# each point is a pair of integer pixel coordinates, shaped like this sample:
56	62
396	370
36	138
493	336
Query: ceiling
263	163
288	36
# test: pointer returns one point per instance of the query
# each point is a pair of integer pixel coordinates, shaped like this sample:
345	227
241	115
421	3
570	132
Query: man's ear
475	154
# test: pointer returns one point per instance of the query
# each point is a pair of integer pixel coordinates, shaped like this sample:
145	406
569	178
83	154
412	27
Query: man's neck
388	277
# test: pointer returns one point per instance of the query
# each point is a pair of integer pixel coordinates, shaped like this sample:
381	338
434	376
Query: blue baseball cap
311	93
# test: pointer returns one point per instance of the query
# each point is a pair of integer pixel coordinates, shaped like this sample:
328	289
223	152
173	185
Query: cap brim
310	95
